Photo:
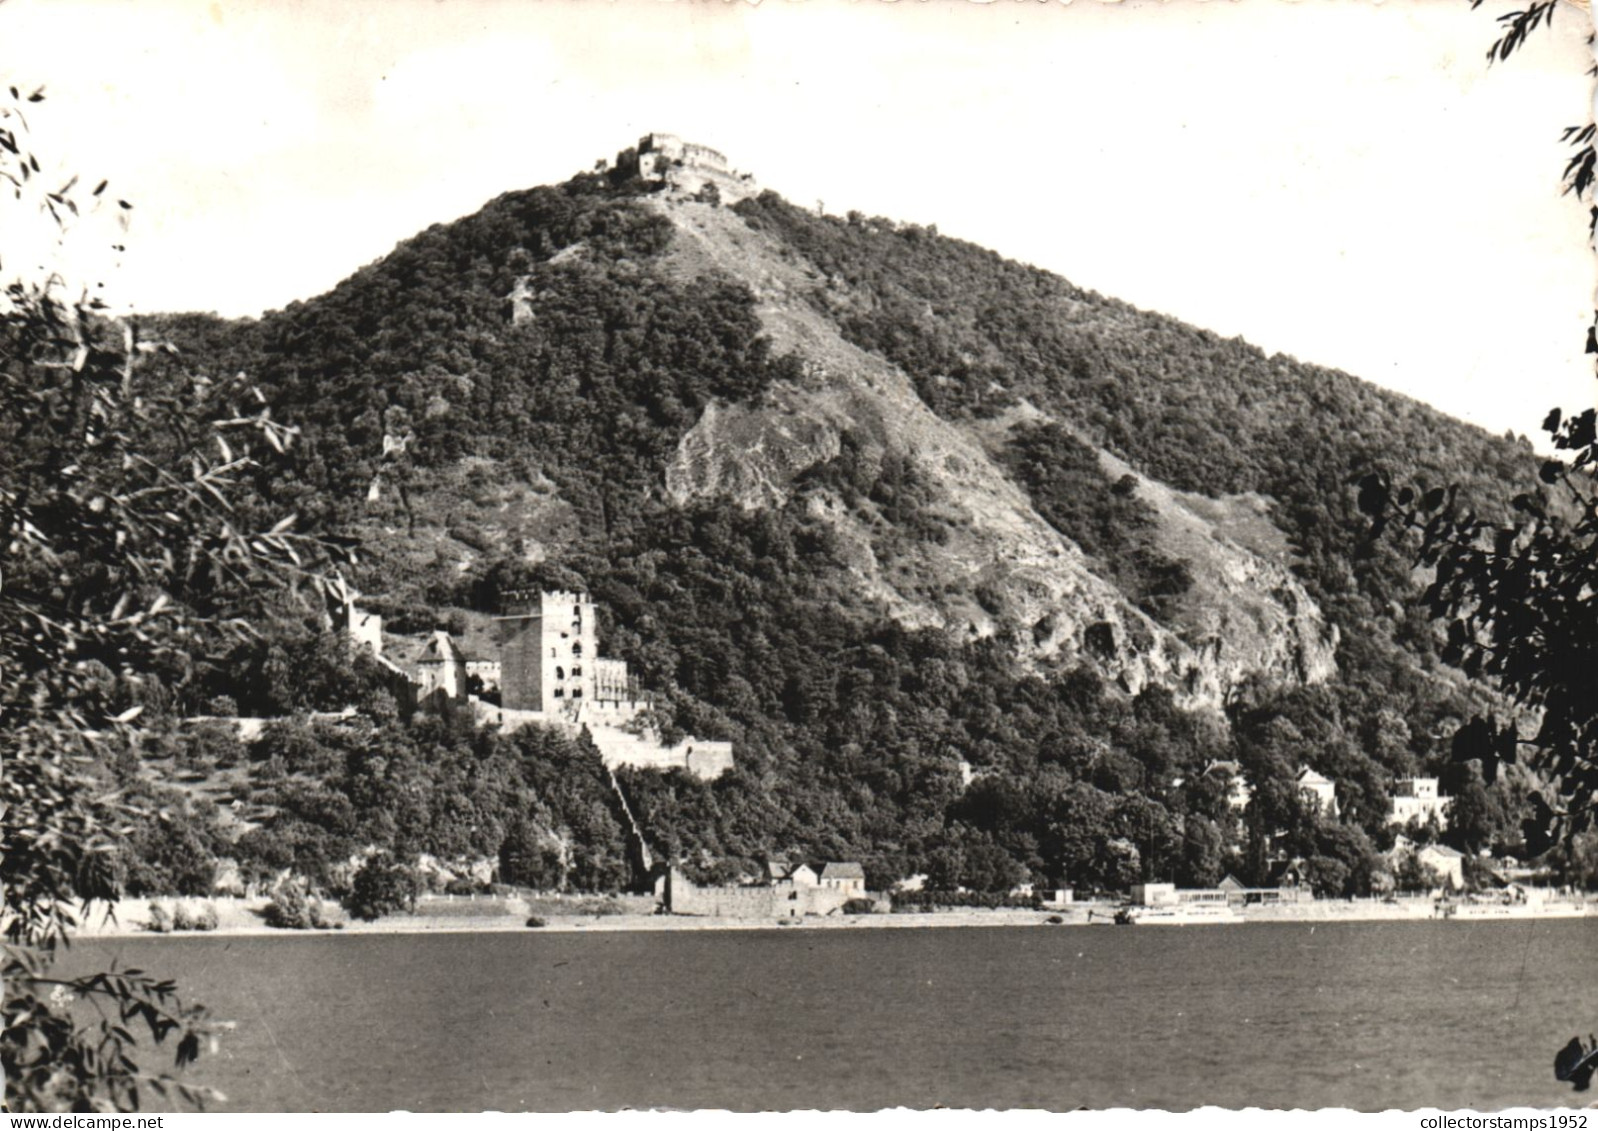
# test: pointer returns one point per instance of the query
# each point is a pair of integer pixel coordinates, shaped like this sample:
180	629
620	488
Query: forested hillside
497	403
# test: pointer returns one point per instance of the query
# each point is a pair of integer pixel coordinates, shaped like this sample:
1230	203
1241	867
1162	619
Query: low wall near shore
469	906
682	896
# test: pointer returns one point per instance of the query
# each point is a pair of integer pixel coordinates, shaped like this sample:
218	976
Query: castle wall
488	671
708	759
684	897
698	757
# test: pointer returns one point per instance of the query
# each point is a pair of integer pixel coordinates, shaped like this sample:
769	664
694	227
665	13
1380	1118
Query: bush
537	921
860	907
160	920
294	909
189	917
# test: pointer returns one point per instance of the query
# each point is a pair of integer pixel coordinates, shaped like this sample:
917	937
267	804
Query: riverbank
243	917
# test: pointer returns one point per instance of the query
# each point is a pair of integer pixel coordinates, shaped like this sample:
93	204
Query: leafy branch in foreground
124	548
1520	599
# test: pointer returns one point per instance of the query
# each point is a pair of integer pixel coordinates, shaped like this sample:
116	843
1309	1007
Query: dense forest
492	406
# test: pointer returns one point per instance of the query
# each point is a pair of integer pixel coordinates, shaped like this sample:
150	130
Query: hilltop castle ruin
684	166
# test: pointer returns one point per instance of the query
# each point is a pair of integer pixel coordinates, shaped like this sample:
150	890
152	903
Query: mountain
978	569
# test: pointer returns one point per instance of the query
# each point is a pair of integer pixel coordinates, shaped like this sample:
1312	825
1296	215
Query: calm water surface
1362	1015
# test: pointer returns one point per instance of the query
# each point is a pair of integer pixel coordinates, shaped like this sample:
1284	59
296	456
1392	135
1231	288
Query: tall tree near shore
1520	598
122	545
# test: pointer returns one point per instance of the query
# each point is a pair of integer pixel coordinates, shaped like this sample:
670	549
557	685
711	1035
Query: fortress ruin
543	660
683	166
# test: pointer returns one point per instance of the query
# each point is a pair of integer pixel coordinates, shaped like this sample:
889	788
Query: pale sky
1344	182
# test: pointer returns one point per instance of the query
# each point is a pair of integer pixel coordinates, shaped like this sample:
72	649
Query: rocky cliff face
996	565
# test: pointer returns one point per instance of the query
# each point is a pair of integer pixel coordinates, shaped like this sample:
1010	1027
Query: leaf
1373	495
1472	741
1551	422
1551	471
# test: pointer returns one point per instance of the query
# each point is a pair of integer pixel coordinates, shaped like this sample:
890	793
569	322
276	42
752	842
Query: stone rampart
681	896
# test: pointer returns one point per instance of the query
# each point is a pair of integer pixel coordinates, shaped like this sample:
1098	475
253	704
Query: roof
1442	850
1307	776
846	870
1232	883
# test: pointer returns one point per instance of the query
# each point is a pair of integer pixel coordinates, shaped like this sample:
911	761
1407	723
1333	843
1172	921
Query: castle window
576	671
560	692
560	672
577	693
577	648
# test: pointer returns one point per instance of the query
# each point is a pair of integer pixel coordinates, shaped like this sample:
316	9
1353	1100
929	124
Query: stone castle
542	663
683	166
549	656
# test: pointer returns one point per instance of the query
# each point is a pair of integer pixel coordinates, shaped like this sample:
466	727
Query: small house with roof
847	877
1318	790
802	876
1449	863
441	668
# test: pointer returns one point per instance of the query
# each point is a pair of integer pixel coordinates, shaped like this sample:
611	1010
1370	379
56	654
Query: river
1364	1015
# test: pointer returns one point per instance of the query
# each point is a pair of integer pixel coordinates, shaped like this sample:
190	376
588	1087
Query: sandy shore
237	917
242	917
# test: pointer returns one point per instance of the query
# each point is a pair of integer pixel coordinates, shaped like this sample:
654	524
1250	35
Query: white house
846	877
1317	789
1417	798
1448	863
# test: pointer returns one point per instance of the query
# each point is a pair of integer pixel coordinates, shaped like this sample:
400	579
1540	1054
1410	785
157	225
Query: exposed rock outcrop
997	563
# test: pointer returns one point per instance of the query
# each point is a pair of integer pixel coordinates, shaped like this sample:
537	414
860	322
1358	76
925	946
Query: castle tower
548	645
